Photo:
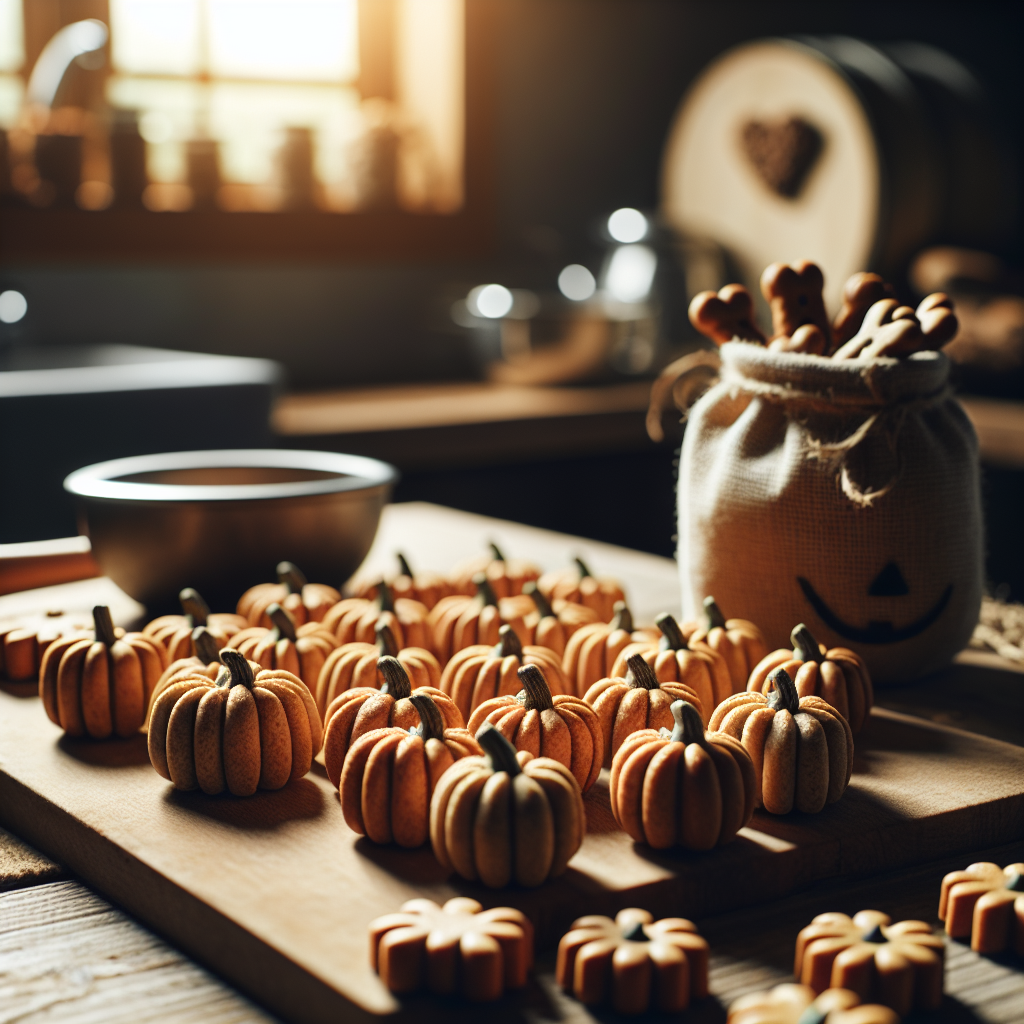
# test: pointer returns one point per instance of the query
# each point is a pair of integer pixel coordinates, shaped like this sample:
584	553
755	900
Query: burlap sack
842	494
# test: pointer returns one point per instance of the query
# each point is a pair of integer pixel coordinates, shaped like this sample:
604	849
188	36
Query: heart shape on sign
782	152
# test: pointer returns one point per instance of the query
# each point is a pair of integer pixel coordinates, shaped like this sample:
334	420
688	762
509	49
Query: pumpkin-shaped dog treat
459	622
562	727
787	1004
24	639
838	676
175	631
898	965
740	643
675	661
424	586
579	586
507	576
390	773
634	962
246	730
305	602
100	685
205	661
547	625
684	787
506	818
355	665
591	651
353	713
355	619
301	651
802	748
458	948
479	673
633	701
985	902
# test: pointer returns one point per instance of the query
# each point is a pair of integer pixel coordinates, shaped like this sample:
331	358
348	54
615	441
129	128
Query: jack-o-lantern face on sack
839	493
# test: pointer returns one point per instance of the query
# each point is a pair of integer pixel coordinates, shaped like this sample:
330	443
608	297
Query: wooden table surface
66	954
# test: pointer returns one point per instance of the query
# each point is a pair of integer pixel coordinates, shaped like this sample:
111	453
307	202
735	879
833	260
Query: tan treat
389	774
99	685
302	651
674	660
892	331
481	672
591	651
794	294
837	675
424	586
579	586
507	576
684	787
356	619
24	639
727	316
898	965
458	622
860	293
635	700
247	730
985	902
548	625
787	1004
807	340
505	817
354	713
175	631
458	948
802	748
355	665
204	661
305	602
562	727
739	642
634	963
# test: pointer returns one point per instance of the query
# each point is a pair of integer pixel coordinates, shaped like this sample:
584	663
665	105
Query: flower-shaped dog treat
985	902
459	947
788	1004
633	962
899	965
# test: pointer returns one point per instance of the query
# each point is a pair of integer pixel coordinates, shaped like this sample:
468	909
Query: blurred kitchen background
461	235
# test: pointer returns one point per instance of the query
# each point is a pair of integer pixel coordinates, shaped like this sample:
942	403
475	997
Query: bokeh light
627	225
576	282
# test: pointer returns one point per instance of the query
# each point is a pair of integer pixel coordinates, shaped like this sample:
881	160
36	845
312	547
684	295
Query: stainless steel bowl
220	521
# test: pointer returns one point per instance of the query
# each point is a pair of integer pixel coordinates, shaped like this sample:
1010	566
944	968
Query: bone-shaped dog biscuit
807	339
726	316
891	330
794	294
860	293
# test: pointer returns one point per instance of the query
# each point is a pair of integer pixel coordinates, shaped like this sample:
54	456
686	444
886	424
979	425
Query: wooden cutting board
275	893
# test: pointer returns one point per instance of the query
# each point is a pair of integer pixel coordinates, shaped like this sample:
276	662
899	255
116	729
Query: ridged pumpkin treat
353	713
356	619
675	661
459	948
355	665
561	727
682	788
898	965
505	817
802	748
633	701
793	1004
985	902
633	963
99	685
480	672
740	643
175	631
507	576
459	622
592	650
837	675
579	585
246	730
547	625
390	773
424	586
305	602
25	638
301	651
205	661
